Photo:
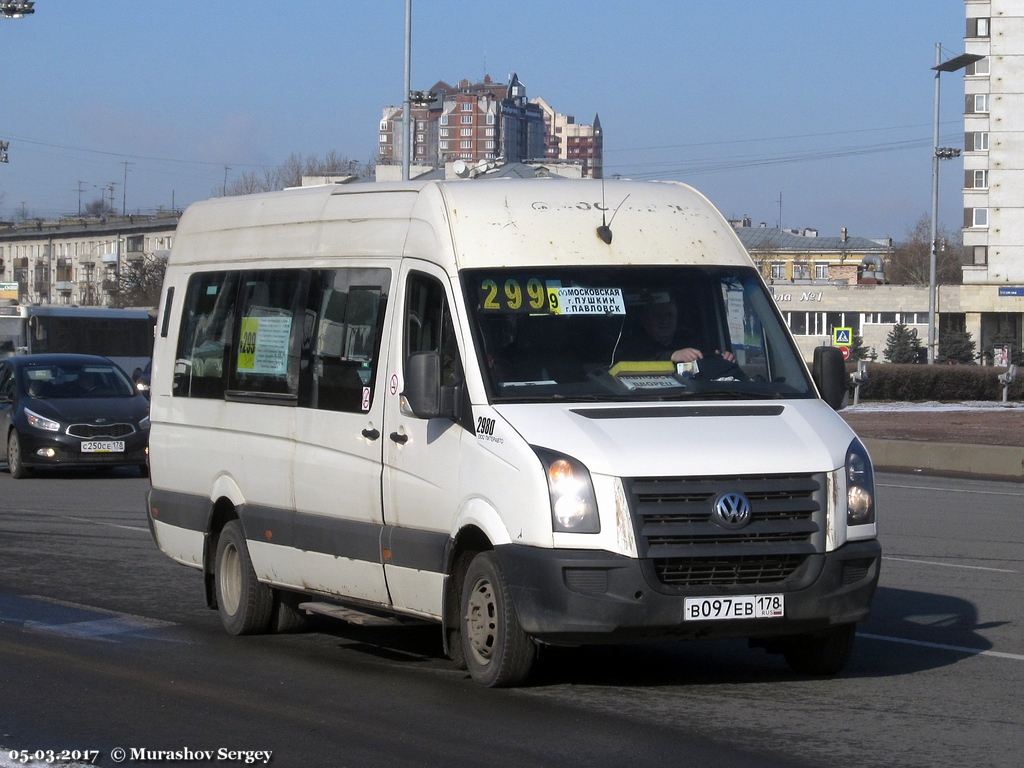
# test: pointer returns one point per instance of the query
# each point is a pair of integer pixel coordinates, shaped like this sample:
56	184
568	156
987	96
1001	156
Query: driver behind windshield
660	337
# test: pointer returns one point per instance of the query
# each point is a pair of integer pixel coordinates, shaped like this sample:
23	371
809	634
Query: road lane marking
81	621
950	490
99	629
109	525
942	647
948	565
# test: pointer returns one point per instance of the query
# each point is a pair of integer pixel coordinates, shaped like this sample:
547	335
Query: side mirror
422	395
829	373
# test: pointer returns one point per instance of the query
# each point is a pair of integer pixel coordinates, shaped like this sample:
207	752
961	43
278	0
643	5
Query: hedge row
890	381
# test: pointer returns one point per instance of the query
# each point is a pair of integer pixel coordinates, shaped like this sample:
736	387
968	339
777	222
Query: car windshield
631	333
74	381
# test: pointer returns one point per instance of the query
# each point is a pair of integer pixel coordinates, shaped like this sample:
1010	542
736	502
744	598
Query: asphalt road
106	644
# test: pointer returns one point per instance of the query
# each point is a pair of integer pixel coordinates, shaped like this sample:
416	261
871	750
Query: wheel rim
230	579
13	458
482	621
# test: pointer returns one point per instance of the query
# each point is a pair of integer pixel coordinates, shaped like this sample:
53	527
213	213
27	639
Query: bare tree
98	207
910	261
290	173
140	281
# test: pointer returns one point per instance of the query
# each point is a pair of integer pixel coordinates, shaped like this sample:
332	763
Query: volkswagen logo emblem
732	511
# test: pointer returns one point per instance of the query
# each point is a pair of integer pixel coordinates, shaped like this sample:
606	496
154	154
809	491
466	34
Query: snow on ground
932	405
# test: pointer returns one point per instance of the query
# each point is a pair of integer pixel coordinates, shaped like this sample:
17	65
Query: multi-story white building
993	155
994	142
77	260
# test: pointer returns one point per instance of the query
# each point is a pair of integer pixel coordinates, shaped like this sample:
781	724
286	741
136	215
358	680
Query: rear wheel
246	607
287	616
497	651
14	464
823	654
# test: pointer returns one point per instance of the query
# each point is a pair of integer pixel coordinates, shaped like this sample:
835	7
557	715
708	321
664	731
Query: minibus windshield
639	333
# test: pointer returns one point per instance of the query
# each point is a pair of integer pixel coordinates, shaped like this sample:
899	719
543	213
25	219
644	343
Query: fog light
46	453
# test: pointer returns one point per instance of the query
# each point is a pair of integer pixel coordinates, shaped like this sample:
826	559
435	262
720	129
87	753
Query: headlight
40	422
860	486
573	503
144	422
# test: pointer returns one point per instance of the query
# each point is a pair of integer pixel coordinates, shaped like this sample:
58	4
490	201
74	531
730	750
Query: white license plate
738	607
103	446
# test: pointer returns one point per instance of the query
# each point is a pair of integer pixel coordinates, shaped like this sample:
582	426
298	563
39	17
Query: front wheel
14	464
245	605
497	651
823	654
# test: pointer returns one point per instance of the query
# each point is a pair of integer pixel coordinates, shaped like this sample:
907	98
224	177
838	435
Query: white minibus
535	412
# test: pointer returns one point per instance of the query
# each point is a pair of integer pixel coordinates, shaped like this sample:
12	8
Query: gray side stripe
408	547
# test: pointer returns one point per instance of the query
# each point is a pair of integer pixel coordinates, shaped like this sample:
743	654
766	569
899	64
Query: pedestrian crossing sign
842	337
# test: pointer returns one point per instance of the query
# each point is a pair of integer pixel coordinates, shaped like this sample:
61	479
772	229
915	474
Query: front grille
719	571
677	535
93	431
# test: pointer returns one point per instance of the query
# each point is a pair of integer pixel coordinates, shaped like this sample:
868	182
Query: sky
803	113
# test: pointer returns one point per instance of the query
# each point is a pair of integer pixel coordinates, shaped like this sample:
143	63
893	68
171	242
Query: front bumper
67	451
581	597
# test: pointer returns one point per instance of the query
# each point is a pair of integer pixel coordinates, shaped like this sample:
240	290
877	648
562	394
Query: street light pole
406	128
943	153
16	9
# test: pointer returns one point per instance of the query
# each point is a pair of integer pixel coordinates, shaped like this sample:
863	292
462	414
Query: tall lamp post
16	9
939	153
406	127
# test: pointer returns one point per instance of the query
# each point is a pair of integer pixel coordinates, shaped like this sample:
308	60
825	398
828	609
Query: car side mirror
829	373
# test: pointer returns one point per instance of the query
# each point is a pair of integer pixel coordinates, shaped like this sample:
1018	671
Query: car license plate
738	607
103	446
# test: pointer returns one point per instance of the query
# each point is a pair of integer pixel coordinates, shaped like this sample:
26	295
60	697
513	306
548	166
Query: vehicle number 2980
484	426
739	607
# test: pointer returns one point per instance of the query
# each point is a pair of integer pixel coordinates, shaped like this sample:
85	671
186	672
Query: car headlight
144	422
573	502
860	486
41	422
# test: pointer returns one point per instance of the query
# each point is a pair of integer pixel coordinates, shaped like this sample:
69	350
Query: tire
288	617
497	652
14	463
821	655
246	607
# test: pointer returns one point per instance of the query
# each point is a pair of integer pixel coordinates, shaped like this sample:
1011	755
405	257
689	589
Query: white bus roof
463	224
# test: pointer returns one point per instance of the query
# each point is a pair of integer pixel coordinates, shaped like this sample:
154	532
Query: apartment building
994	143
77	260
478	122
993	226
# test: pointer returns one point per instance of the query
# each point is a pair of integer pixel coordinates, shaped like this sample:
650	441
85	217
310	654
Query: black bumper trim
577	597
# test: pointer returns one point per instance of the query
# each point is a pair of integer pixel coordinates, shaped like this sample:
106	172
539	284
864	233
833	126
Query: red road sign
846	352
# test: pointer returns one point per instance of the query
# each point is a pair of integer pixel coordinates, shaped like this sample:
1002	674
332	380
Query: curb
992	461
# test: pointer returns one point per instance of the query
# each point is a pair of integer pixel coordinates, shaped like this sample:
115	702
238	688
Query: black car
71	410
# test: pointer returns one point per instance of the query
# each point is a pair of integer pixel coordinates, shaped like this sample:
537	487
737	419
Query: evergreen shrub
944	383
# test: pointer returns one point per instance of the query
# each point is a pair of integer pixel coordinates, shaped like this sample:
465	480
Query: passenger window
342	343
204	340
271	326
428	325
7	381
